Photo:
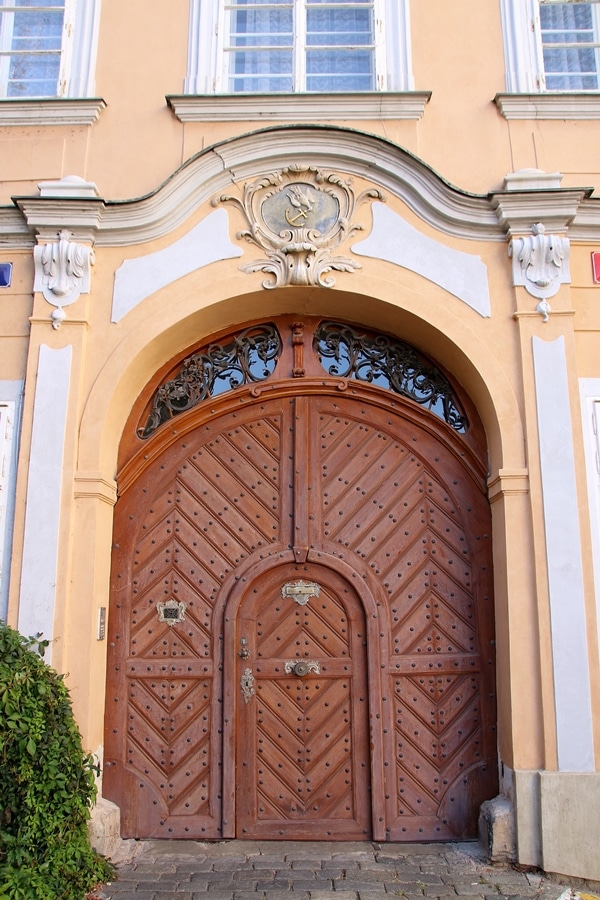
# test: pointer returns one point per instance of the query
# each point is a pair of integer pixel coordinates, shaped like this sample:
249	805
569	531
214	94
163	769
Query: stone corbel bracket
539	252
64	219
540	265
62	272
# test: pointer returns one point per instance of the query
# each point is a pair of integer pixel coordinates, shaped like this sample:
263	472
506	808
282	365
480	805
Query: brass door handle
301	667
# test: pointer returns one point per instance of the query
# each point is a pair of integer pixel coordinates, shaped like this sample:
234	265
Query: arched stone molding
386	165
151	343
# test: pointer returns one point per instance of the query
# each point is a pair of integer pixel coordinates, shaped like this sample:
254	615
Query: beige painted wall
136	145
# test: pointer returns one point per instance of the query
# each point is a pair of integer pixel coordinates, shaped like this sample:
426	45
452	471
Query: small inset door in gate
302	766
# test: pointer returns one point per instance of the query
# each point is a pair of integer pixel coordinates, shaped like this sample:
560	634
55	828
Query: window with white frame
551	45
569	33
47	47
287	46
299	45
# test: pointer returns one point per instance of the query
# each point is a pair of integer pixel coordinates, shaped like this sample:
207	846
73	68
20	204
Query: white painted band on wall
44	486
138	278
589	389
563	551
11	395
394	240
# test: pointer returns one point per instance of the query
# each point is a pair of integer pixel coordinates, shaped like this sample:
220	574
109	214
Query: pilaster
535	212
64	220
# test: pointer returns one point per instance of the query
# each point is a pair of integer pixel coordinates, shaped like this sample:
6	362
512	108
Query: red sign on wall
596	266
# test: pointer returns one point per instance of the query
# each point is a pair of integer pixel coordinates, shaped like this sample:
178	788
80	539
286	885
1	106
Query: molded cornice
241	159
64	112
298	107
549	106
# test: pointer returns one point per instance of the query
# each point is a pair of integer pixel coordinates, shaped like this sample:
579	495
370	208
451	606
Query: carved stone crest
540	265
298	216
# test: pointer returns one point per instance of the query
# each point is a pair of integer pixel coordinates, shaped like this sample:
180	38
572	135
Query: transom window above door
307	45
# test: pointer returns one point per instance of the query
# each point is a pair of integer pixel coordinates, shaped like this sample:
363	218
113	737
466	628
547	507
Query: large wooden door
302	740
210	731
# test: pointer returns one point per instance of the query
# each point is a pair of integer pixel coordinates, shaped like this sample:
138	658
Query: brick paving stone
354	885
374	895
440	890
471	890
327	895
134	895
234	870
271	895
171	895
199	877
510	888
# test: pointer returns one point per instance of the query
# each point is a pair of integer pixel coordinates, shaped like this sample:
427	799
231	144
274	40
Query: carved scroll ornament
540	265
62	272
298	216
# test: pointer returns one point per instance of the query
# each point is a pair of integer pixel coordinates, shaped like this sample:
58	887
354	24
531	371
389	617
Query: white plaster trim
563	555
246	158
65	111
522	52
85	48
382	163
138	278
11	395
314	108
589	389
462	274
44	487
549	106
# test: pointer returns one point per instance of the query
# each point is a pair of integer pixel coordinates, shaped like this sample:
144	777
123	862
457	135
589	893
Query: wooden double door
301	624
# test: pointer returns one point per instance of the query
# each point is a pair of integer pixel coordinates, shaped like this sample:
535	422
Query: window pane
261	28
349	27
43	3
567	65
33	76
250	3
32	39
339	53
262	71
335	2
339	70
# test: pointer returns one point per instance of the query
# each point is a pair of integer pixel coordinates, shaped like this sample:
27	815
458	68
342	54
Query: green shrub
47	783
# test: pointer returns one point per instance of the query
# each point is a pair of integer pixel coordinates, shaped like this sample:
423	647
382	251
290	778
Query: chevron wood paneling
349	479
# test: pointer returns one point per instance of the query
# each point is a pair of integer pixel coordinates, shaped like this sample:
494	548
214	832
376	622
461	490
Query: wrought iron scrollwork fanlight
249	357
383	361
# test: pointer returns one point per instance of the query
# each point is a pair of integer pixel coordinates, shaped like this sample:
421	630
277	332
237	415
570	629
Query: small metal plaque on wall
301	591
171	612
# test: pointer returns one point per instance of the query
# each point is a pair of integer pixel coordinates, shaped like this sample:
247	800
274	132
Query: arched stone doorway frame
144	350
148	455
379	296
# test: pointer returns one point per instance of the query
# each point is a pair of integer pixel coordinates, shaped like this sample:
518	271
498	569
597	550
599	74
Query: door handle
301	667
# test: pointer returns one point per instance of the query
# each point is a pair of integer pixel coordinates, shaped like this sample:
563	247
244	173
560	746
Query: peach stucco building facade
137	226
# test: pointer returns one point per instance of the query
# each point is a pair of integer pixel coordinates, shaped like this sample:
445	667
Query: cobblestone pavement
273	870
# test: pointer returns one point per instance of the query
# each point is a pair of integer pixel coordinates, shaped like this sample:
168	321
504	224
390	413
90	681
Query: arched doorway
301	624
